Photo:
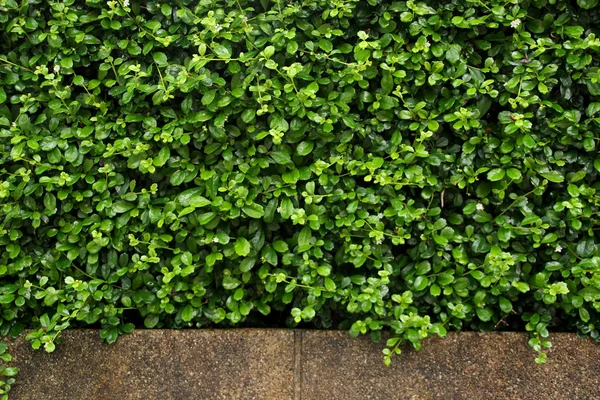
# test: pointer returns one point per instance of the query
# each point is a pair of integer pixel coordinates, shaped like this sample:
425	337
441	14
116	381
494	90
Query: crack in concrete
298	364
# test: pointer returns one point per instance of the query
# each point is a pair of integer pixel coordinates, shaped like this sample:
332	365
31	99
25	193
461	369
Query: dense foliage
372	165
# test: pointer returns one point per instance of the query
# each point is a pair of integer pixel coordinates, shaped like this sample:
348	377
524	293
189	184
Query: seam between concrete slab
298	364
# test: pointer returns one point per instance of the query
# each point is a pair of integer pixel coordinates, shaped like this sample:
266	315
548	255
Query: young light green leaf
187	313
553	176
242	247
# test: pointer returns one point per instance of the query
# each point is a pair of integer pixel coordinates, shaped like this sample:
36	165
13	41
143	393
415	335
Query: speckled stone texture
161	365
461	366
307	365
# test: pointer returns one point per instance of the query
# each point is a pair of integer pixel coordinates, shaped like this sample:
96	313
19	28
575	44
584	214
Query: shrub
372	165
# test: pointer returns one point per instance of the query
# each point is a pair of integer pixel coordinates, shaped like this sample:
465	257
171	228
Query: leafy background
372	165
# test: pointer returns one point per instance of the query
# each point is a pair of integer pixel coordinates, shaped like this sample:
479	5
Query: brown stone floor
307	365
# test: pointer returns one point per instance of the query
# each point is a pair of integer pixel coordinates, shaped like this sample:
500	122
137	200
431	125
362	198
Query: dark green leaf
160	58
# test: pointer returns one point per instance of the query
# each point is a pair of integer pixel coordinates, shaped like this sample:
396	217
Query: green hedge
372	165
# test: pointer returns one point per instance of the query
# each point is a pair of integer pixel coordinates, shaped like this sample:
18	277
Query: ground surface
308	365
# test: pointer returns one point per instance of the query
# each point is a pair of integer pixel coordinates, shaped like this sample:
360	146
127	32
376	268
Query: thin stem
515	202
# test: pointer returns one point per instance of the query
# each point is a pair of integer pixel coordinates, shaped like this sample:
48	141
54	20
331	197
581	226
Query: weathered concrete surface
307	365
460	366
161	365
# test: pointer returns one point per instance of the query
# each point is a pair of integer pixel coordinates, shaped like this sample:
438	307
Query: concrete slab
307	365
161	365
464	365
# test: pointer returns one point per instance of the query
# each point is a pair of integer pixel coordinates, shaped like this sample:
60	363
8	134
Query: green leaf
514	174
292	47
362	55
291	177
324	270
496	174
421	282
206	218
553	176
329	284
523	287
271	64
242	247
166	10
485	314
198	201
591	109
287	208
440	224
280	157
269	255
50	201
177	178
305	148
325	45
535	26
268	51
71	154
505	305
49	347
122	206
387	82
186	258
280	246
504	235
550	237
584	314
254	210
304	239
184	197
230	282
586	248
247	264
453	53
441	240
587	4
151	321
187	313
444	279
160	58
2	95
529	142
162	157
221	51
7	298
239	294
